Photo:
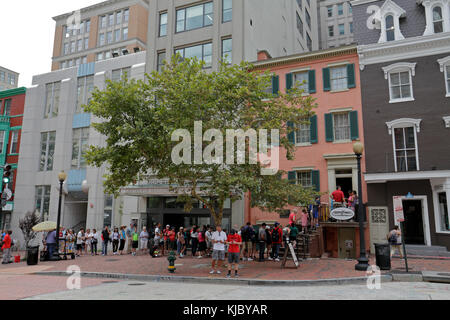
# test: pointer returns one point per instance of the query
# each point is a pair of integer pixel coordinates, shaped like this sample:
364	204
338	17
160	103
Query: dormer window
437	16
390	28
437	20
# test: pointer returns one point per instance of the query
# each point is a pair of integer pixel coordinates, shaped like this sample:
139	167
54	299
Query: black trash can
32	255
383	255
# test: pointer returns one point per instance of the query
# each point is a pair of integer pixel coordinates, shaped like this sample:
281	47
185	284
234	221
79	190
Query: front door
346	239
413	225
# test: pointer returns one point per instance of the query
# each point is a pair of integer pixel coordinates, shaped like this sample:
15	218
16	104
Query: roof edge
12	92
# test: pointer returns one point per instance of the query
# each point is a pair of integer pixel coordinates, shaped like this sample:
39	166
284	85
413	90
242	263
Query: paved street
136	290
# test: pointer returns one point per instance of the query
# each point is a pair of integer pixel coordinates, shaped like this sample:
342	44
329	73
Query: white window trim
13	134
339	141
443	63
404	123
429	6
390	8
400	67
447	121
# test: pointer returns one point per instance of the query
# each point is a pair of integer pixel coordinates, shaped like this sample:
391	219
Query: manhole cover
136	284
111	260
110	281
444	274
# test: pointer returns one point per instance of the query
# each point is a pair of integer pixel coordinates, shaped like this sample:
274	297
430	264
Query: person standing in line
304	218
158	235
80	236
234	240
70	238
88	241
6	247
262	242
106	238
94	242
115	240
246	238
208	236
315	212
269	241
143	237
129	241
135	239
202	243
194	239
395	240
219	238
165	238
293	217
181	242
172	239
277	239
293	233
122	239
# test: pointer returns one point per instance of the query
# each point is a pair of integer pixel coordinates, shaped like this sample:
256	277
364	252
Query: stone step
421	250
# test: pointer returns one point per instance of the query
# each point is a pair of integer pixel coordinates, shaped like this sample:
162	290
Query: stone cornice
308	56
404	49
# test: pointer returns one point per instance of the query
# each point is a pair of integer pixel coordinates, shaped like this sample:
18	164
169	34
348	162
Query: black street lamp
363	262
62	176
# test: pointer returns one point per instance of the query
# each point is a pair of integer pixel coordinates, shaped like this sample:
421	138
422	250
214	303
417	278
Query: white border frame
400	67
425	217
443	63
440	186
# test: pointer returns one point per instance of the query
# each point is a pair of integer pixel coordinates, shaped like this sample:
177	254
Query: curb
248	282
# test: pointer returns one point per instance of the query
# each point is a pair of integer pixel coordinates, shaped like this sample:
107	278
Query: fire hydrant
171	259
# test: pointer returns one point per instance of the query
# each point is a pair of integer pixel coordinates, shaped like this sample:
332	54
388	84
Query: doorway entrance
346	185
413	226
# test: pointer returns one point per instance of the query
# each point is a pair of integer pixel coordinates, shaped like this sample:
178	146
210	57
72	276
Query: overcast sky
27	31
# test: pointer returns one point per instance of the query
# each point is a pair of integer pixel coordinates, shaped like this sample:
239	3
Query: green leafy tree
139	118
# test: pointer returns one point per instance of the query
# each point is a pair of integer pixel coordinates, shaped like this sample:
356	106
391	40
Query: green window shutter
329	127
292	177
312	81
326	79
351	76
291	135
313	129
289	81
275	85
354	130
315	178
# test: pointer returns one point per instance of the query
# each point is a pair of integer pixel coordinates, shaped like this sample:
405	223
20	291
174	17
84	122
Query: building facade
12	104
404	49
8	79
233	30
336	23
324	157
95	33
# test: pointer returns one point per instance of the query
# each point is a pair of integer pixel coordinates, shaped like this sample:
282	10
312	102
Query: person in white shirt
219	238
143	237
80	239
209	245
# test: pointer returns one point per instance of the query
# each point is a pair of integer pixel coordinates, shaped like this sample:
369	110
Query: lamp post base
363	264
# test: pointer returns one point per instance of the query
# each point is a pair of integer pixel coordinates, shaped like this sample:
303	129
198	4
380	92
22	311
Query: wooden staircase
309	245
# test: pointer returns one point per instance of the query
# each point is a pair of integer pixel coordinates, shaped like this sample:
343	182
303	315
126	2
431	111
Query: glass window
163	24
88	26
66	48
303	133
47	151
84	60
437	20
350	8
125	34
109	37
341	125
299	24
227	10
227	50
443	211
304	179
7	108
400	85
195	17
447	74
52	99
338	78
14	142
85	87
301	80
202	52
80	145
119	17
119	73
2	140
340	9
72	46
405	149
102	39
341	29
330	31
86	43
100	56
126	15
351	27
42	200
390	28
330	11
107	55
161	58
80	45
81	30
111	19
103	22
117	35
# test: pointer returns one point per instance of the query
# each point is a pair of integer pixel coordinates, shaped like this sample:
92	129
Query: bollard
171	259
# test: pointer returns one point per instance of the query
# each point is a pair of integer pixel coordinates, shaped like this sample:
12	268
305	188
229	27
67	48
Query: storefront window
443	211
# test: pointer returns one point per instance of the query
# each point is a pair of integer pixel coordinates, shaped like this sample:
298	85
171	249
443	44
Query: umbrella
45	226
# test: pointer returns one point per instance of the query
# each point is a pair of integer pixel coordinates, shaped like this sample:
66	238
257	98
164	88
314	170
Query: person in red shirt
277	240
165	245
172	235
234	240
338	196
7	248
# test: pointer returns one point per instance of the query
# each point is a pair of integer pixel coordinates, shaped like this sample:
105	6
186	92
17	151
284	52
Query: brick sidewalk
309	270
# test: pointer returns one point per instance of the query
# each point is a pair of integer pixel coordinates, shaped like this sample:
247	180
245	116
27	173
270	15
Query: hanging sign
342	213
398	209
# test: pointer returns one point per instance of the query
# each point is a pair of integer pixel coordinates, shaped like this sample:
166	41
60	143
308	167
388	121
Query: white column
446	15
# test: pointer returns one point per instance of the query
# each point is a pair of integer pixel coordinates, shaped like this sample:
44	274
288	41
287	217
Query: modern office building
100	31
404	49
336	23
234	30
12	104
8	79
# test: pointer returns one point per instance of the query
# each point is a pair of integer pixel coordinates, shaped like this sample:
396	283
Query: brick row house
324	155
404	49
12	104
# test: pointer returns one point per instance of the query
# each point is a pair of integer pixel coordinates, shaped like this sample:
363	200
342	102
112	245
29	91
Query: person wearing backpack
268	241
262	242
277	239
247	234
395	240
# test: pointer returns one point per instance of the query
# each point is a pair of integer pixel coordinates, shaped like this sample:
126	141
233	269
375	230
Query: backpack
393	238
275	235
268	237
